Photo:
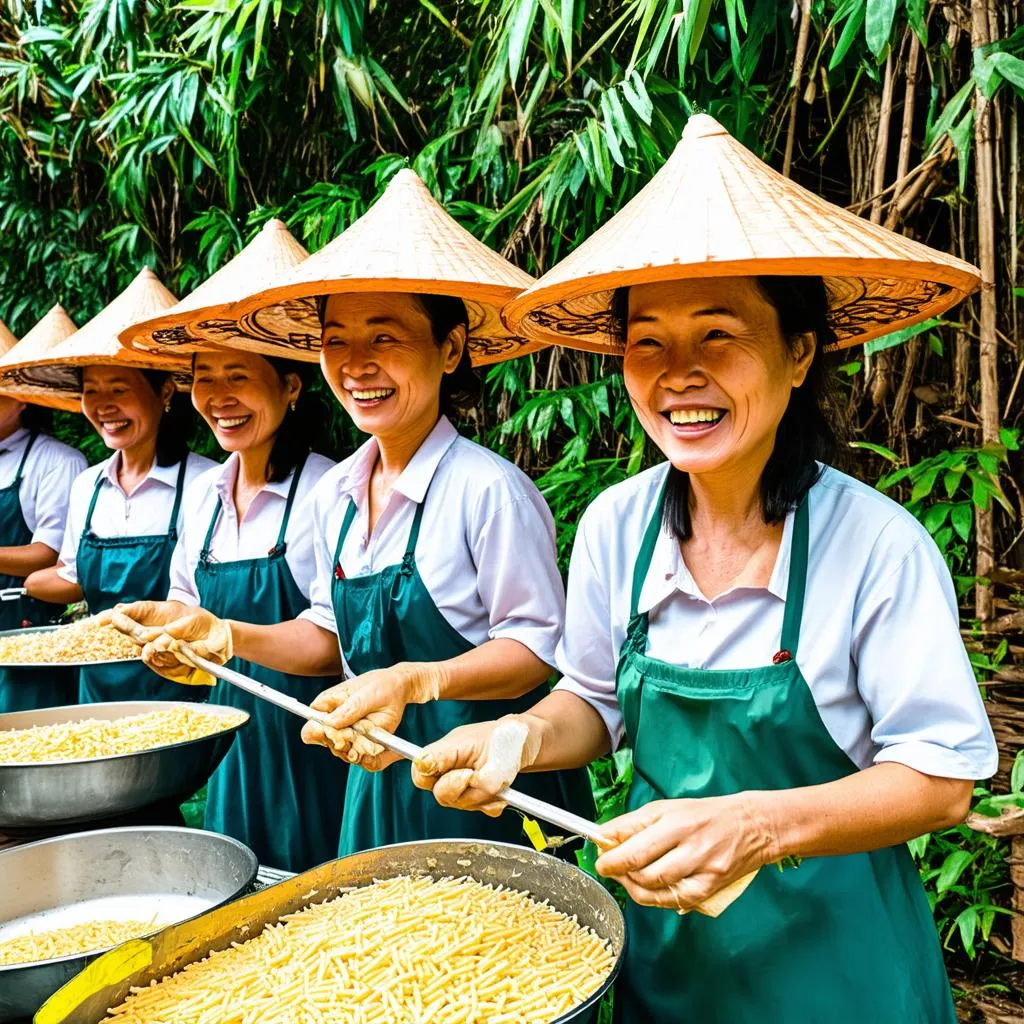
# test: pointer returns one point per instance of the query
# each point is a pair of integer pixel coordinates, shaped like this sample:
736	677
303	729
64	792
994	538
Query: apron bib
842	940
115	570
272	792
387	617
25	689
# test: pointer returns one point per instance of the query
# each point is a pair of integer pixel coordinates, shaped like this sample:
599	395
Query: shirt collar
13	440
167	475
415	478
225	482
668	571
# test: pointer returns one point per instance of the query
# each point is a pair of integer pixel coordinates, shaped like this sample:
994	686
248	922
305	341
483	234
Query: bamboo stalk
906	134
988	351
882	145
798	71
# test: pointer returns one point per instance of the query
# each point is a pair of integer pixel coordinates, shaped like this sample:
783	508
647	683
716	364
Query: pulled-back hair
807	434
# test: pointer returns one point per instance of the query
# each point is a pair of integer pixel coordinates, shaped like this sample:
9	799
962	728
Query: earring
167	405
293	405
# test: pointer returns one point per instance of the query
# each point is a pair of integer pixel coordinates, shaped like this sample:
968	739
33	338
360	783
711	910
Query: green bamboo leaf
962	518
878	19
1017	773
952	868
878	449
700	11
951	481
924	483
894	338
636	96
520	26
935	517
851	30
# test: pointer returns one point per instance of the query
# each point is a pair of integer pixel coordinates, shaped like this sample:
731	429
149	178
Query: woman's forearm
499	669
884	805
572	733
47	585
297	646
25	559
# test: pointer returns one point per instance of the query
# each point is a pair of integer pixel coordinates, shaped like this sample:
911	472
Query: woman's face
709	372
10	415
242	397
122	406
380	359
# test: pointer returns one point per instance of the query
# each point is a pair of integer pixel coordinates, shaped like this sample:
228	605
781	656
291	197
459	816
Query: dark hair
460	389
176	423
807	433
37	418
303	429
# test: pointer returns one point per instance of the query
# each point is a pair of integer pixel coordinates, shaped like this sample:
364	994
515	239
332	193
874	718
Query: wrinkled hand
679	853
378	698
161	628
470	766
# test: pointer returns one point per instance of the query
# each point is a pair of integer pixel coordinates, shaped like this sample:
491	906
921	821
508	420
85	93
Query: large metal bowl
87	998
53	794
121	873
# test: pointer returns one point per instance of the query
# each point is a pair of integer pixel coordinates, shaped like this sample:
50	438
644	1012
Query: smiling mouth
114	426
371	396
694	422
231	422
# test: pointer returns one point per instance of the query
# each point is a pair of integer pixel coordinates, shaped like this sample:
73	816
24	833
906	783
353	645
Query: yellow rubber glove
161	628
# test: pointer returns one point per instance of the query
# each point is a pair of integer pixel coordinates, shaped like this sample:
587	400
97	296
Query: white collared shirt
255	535
46	482
144	512
880	644
486	549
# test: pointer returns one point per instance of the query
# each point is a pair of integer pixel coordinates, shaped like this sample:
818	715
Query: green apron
387	617
842	940
112	570
25	689
280	797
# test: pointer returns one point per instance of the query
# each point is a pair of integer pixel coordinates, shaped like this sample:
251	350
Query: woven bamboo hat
53	366
405	242
201	319
55	327
716	210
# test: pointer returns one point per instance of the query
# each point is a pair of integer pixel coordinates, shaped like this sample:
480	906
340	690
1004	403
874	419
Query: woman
38	471
419	536
247	552
744	616
126	512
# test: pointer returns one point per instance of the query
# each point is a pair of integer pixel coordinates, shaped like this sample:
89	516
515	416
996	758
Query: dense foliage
134	131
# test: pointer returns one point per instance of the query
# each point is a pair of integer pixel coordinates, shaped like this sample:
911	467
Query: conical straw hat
55	327
716	210
405	242
96	344
200	319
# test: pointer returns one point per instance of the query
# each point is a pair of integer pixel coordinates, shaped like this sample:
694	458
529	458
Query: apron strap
346	523
414	530
643	561
24	458
280	545
179	490
204	554
92	502
797	580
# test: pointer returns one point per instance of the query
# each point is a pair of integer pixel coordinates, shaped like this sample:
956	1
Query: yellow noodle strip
79	938
86	640
90	738
400	951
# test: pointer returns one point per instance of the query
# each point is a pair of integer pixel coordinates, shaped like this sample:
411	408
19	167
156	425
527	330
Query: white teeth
115	424
365	396
234	421
695	415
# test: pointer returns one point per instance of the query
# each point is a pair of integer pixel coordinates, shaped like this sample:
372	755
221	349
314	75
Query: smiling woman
738	613
435	559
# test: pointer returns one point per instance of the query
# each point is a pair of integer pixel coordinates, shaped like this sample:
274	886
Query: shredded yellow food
401	951
90	738
79	938
86	640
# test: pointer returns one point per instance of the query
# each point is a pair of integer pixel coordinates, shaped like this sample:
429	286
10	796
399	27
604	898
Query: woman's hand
678	853
161	628
378	698
474	763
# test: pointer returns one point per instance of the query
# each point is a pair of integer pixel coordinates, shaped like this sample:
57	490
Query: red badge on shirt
338	573
782	656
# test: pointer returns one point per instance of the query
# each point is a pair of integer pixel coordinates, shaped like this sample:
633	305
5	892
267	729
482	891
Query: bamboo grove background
144	132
